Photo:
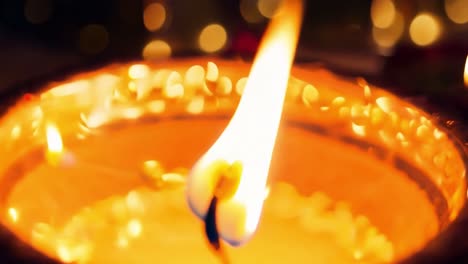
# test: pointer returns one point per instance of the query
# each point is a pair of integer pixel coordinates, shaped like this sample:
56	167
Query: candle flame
54	139
465	75
238	162
54	152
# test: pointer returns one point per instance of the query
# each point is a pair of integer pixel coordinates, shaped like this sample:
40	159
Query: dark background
41	37
44	39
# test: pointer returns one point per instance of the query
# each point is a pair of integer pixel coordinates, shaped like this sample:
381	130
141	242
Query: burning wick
227	180
226	187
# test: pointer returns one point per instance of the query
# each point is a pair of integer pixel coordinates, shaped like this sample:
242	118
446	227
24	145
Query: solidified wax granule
150	224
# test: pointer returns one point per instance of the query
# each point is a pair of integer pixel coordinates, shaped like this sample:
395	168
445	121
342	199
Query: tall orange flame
248	140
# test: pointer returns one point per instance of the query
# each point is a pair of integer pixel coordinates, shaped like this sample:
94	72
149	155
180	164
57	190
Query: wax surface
373	188
144	226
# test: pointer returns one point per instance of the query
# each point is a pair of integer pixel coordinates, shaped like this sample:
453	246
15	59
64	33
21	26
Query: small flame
465	75
13	214
55	153
247	143
54	139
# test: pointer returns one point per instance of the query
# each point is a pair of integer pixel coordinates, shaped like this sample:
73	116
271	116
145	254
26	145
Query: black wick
211	230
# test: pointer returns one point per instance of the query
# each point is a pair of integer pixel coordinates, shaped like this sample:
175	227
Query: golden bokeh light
250	11
212	38
383	13
388	37
93	39
425	29
38	11
268	7
154	16
457	10
156	50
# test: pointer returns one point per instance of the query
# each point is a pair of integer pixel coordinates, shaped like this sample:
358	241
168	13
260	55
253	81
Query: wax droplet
240	85
212	72
156	106
384	103
376	116
195	106
359	114
224	86
160	77
134	228
194	77
422	131
310	95
173	87
138	71
359	130
152	171
174	91
338	101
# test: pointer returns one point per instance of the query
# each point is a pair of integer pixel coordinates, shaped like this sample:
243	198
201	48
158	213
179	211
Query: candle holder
93	168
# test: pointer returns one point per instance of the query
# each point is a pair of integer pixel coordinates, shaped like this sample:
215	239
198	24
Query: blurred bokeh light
156	50
212	38
457	10
154	16
383	13
389	36
268	7
424	29
250	12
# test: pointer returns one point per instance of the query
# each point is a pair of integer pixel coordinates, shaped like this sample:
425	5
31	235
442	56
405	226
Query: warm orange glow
424	29
465	74
250	136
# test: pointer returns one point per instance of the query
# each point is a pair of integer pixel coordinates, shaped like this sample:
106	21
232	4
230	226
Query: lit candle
246	145
357	174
